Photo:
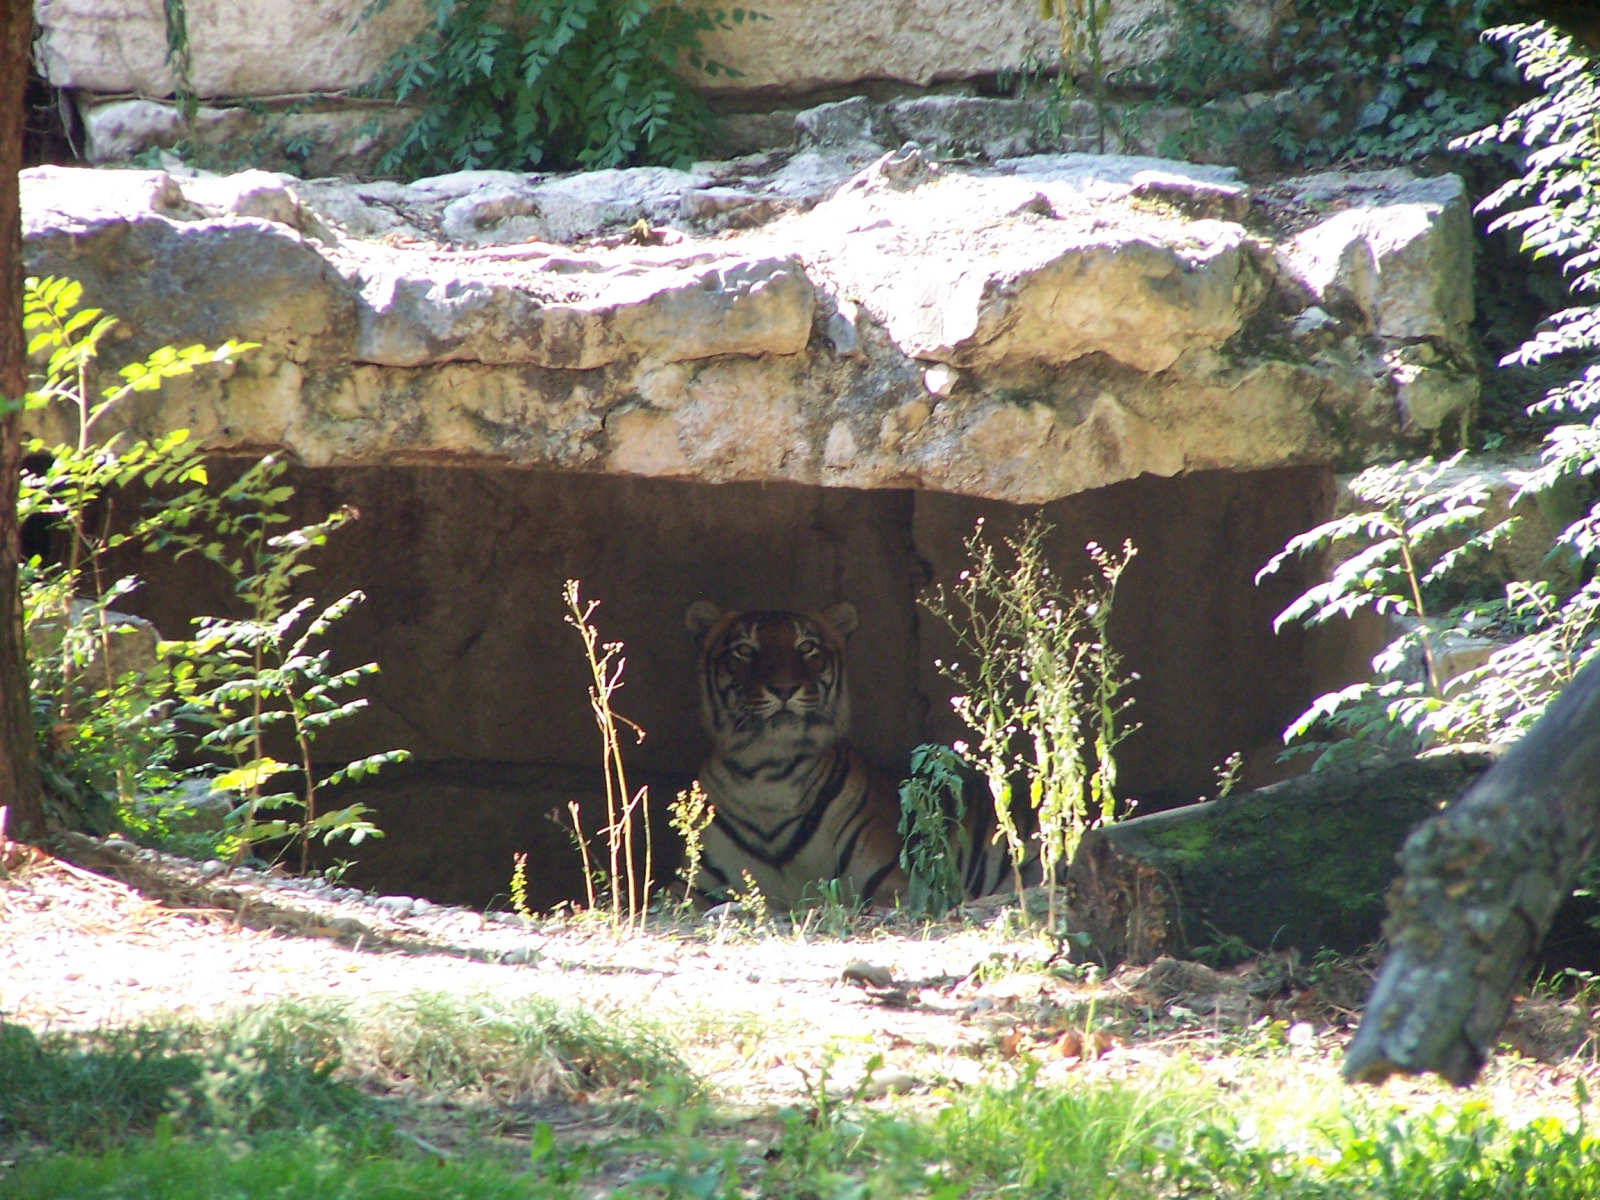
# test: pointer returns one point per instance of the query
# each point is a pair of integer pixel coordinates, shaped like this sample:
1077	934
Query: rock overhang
1020	330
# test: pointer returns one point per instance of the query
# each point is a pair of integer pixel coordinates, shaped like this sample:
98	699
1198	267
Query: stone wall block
741	307
1122	295
971	124
805	45
1399	248
259	49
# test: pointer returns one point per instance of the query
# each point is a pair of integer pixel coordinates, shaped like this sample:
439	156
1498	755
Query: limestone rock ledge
1020	331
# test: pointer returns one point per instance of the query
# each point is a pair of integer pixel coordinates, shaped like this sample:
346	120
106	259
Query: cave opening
484	681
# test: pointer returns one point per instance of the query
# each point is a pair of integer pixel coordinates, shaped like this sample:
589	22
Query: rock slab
1021	331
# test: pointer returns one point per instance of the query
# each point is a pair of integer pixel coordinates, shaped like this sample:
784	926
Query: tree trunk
1480	887
20	791
1301	863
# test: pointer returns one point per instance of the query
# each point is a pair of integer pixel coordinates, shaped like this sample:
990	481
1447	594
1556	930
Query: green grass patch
437	1098
92	1091
1084	1141
1457	1151
299	1065
509	1051
1178	1135
315	1167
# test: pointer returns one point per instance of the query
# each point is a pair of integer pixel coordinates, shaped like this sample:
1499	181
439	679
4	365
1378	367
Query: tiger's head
772	677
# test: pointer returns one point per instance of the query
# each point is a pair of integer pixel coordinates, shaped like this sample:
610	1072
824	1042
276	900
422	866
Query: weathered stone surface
845	123
517	208
1022	332
265	49
343	136
805	45
1198	198
282	75
736	307
967	124
1399	263
789	46
1033	285
333	139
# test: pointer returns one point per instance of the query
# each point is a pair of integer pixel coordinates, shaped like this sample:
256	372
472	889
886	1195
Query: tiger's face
772	677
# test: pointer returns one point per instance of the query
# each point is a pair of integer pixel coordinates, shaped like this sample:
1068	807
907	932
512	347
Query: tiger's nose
783	690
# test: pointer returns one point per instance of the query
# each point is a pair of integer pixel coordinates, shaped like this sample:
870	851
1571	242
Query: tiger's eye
810	647
744	652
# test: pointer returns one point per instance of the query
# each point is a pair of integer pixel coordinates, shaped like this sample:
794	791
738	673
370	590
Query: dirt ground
110	934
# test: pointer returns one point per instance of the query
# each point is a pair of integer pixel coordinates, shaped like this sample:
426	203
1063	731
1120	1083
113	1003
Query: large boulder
263	49
1021	331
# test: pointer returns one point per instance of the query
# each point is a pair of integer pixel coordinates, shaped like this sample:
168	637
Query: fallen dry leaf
1010	1042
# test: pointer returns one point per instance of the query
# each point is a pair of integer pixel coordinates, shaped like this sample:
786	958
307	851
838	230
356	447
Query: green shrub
250	676
1039	685
64	1091
125	731
114	730
933	812
1420	530
322	1167
521	84
1393	79
1084	1142
1456	1151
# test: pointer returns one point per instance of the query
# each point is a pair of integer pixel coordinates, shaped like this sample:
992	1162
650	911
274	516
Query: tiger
795	803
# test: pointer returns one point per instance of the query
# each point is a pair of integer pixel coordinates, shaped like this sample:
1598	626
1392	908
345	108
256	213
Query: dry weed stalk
606	662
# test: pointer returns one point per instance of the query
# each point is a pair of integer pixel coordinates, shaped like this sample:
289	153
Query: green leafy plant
690	814
262	676
1425	526
527	83
123	729
179	58
1081	25
752	901
1227	774
519	885
1044	691
828	907
1405	558
933	813
1419	524
1392	79
106	713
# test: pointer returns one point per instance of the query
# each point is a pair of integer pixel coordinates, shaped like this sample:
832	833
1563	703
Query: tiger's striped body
796	804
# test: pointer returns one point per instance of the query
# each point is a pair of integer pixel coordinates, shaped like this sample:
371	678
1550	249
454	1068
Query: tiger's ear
700	617
843	617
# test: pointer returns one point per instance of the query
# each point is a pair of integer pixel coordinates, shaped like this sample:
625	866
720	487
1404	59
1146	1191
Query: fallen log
1302	863
1481	885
